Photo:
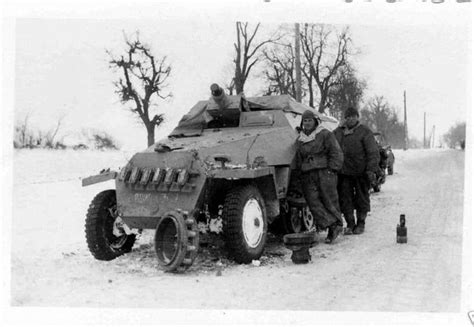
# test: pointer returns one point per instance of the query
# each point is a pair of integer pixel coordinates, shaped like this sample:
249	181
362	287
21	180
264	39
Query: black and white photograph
237	162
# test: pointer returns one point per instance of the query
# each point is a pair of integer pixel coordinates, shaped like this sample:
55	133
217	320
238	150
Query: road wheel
245	223
176	241
292	220
298	219
308	219
105	238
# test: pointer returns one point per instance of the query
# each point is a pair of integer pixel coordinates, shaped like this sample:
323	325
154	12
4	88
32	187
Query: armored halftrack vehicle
226	168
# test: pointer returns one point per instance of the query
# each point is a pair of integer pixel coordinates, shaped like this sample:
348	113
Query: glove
371	177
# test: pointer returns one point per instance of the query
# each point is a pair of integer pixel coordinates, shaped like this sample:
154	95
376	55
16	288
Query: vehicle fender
265	178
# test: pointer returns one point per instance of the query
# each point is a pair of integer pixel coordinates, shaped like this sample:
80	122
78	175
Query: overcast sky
61	68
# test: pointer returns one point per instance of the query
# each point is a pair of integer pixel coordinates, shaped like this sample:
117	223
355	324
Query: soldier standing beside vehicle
361	159
318	158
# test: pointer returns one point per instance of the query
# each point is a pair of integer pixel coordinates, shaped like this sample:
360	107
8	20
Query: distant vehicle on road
388	156
387	159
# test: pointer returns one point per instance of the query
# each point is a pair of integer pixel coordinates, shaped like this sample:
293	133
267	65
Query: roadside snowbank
51	265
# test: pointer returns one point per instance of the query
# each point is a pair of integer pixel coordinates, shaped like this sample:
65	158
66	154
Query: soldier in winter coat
361	159
318	158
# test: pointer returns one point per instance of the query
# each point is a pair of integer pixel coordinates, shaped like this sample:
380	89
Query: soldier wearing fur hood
319	158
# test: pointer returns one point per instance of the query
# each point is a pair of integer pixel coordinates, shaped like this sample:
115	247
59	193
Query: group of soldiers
336	172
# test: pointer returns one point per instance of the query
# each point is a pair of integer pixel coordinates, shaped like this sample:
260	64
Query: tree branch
141	71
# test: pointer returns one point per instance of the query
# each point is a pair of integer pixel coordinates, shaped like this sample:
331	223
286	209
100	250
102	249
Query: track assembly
176	241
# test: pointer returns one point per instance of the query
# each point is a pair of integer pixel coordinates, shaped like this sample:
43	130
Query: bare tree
246	53
22	131
143	75
25	135
102	141
51	134
230	87
28	137
381	117
456	135
326	51
348	91
280	71
377	113
229	70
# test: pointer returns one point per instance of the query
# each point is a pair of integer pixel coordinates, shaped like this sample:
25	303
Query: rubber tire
390	170
376	188
234	237
98	224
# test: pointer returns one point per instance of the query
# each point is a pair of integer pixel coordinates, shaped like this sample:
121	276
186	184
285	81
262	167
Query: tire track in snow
417	289
367	272
383	275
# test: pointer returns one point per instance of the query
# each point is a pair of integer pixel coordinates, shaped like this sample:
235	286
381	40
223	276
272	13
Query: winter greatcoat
318	157
361	155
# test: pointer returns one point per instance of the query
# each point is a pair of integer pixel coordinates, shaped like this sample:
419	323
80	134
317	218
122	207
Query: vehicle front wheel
245	223
105	237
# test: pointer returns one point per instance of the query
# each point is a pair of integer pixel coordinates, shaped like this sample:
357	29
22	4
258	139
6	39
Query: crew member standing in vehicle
319	157
361	159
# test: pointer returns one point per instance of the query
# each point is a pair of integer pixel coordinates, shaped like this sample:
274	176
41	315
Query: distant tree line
381	117
456	136
330	81
28	137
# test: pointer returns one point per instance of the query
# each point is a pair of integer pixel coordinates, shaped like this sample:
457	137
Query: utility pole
433	137
297	62
405	120
424	130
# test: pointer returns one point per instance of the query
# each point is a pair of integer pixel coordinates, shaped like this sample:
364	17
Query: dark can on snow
402	230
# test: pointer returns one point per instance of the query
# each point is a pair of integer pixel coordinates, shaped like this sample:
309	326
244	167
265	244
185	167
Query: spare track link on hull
176	241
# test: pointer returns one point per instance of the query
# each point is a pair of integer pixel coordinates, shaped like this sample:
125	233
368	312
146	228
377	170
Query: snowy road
51	265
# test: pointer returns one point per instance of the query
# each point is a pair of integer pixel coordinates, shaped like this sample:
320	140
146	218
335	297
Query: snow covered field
51	265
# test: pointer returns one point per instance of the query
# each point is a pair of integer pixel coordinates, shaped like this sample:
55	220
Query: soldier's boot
333	232
359	229
350	220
